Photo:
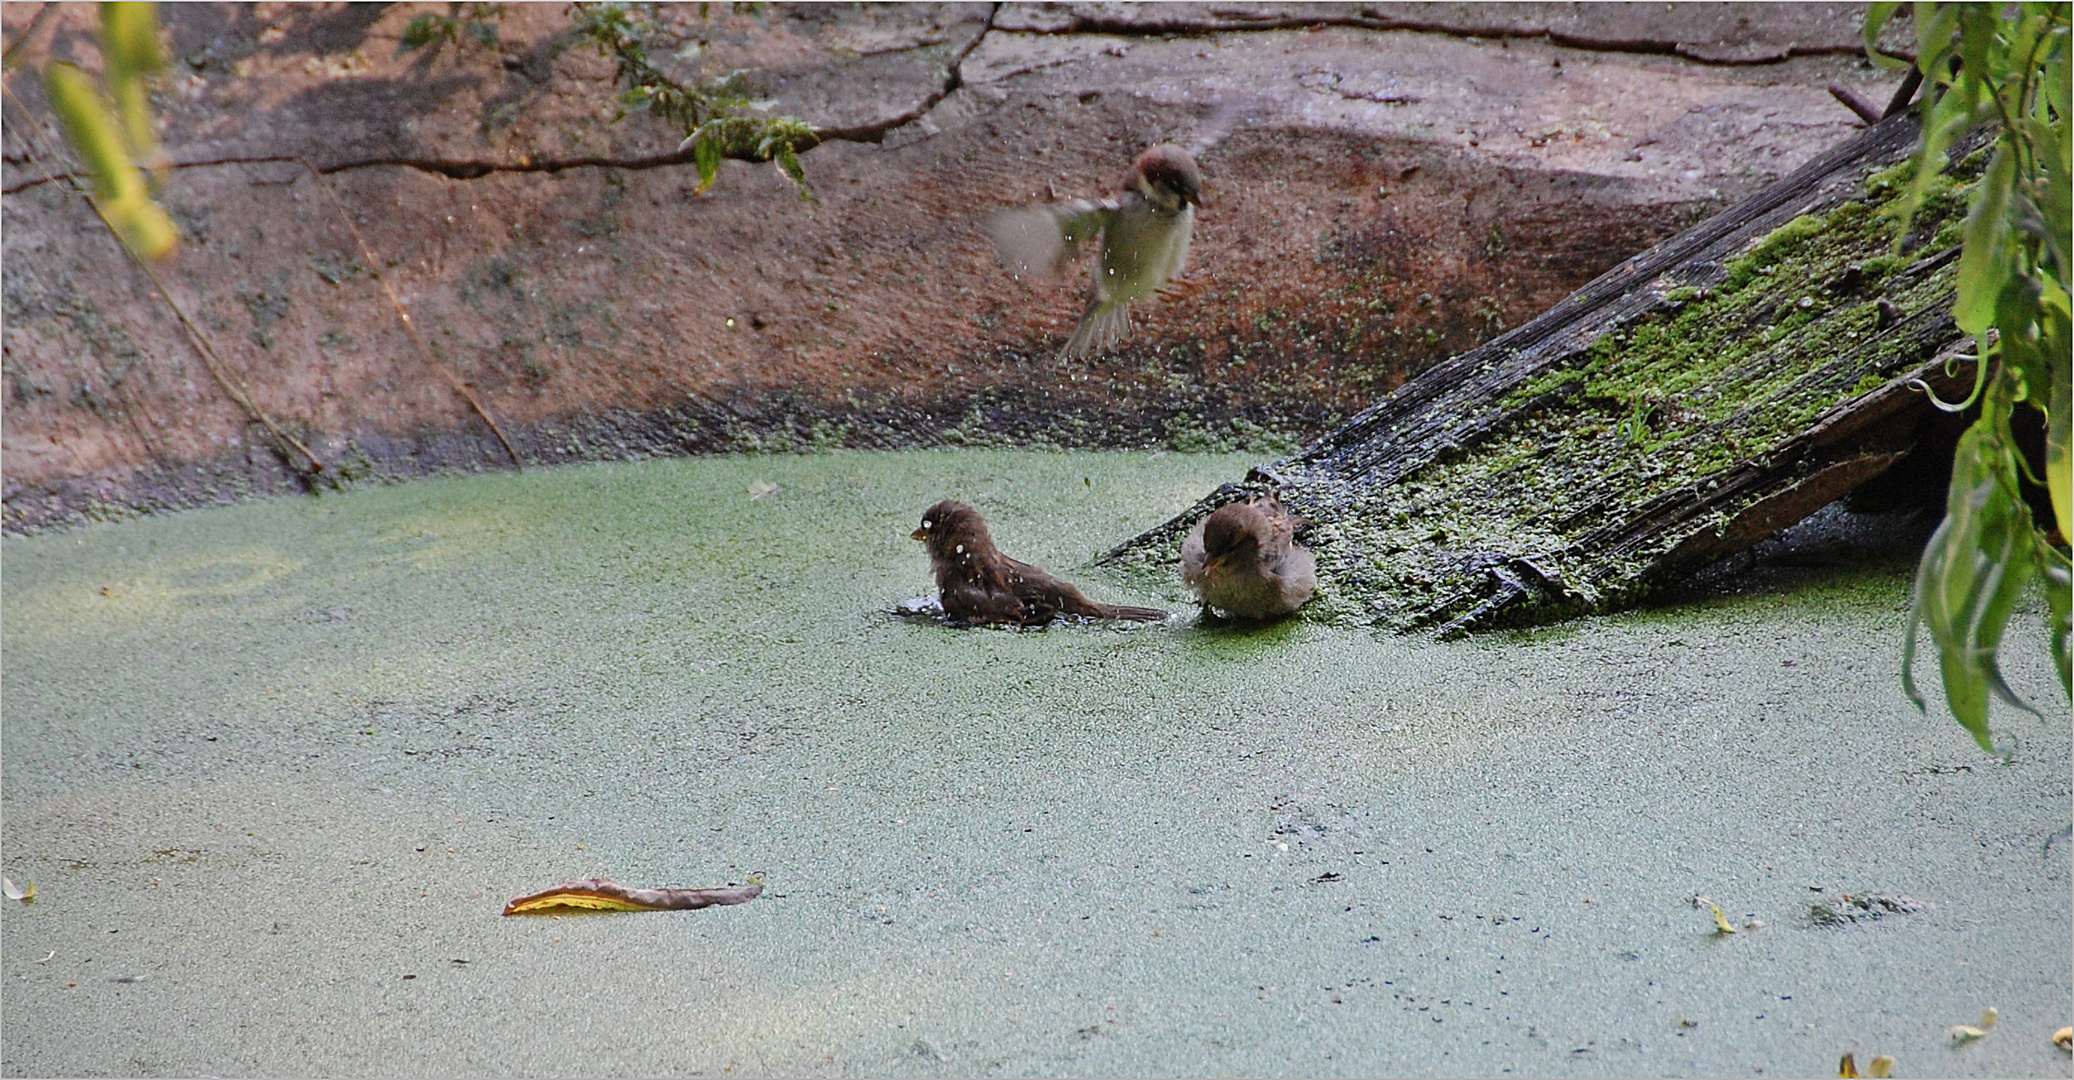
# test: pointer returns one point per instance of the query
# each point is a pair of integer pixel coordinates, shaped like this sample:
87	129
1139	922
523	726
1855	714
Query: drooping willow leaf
2059	467
2005	65
130	48
1973	573
119	189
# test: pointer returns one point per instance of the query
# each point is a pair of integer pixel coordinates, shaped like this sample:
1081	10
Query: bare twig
1905	93
1856	102
233	386
14	52
375	268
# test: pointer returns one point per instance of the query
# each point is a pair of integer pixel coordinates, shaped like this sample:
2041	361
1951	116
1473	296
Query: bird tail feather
1105	323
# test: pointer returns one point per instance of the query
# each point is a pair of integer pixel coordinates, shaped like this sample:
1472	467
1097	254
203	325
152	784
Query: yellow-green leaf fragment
129	42
1721	923
93	132
118	184
2064	1038
597	894
1880	1067
24	893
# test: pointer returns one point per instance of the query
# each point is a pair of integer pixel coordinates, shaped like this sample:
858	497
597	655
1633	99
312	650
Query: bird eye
928	524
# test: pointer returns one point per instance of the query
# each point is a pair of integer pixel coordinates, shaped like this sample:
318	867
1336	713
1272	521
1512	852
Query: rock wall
1405	182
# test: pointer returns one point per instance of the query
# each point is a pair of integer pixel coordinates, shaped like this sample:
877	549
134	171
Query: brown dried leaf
597	894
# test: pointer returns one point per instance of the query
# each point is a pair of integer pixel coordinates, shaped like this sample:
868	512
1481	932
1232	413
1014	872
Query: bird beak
918	534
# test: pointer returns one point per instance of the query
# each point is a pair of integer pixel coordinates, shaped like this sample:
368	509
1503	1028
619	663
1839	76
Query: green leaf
87	124
129	38
427	29
2057	575
1984	264
1973	571
1876	18
788	163
2059	470
705	152
1945	119
129	44
1936	25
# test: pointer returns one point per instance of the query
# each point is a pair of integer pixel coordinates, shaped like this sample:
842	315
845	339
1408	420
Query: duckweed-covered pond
275	768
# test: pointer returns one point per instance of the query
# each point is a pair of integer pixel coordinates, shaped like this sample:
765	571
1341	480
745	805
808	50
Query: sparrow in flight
1144	232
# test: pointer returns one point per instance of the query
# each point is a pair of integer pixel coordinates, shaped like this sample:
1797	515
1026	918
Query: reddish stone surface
1391	196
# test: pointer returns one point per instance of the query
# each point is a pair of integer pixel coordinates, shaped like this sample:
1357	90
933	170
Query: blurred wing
1046	239
1212	129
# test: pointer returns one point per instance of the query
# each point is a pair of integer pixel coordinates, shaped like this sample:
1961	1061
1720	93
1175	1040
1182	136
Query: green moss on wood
1716	374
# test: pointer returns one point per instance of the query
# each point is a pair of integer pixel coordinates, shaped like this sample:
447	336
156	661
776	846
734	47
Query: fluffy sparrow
981	585
1144	232
1244	560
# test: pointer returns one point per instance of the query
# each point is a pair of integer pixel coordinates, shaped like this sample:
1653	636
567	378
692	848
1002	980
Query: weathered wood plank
1694	400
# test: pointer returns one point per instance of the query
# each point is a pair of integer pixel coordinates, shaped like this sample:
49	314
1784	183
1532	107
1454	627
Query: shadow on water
1833	546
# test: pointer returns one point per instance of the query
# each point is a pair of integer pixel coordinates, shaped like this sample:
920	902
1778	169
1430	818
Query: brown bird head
952	529
1237	530
1167	175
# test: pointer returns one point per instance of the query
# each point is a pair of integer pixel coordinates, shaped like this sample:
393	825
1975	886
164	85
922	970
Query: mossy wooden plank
1693	401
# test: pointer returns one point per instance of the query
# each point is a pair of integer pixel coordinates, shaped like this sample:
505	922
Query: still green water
277	766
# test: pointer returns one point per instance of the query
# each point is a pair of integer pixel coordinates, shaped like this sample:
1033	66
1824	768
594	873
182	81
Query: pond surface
275	768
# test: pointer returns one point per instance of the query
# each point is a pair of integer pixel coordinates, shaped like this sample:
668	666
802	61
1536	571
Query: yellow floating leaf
1881	1067
597	894
1721	923
24	893
1965	1033
1988	1018
2064	1038
1847	1069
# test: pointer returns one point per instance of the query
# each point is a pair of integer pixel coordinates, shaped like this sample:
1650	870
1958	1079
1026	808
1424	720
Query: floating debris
1851	907
597	894
1965	1033
2064	1038
1881	1066
23	893
1721	924
760	489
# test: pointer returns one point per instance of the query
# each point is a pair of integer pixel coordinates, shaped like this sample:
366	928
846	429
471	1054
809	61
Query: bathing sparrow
981	585
1244	560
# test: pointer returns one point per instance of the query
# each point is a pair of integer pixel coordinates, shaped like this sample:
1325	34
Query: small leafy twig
462	23
711	114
